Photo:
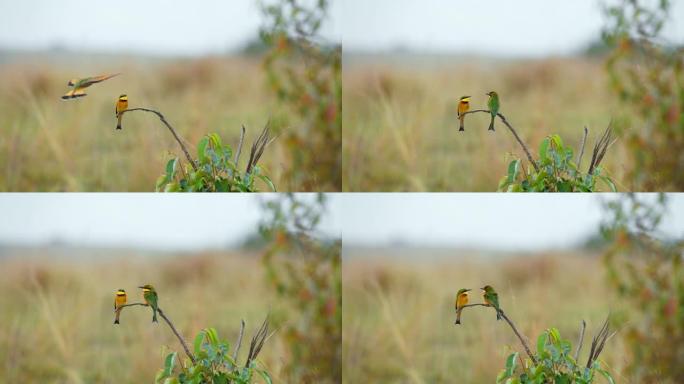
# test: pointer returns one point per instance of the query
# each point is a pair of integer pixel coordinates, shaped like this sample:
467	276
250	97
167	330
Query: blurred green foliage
558	172
213	364
306	75
216	171
646	270
305	271
555	364
647	74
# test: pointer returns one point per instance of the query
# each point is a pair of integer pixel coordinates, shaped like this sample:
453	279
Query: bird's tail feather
462	128
491	124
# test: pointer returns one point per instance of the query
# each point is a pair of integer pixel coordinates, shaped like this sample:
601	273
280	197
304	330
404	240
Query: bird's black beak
140	287
467	290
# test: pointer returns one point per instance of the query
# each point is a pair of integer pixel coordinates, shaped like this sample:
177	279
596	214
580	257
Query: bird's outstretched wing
96	79
74	93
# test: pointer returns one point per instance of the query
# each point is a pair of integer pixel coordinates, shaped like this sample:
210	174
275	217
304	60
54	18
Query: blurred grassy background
47	144
398	320
401	131
56	319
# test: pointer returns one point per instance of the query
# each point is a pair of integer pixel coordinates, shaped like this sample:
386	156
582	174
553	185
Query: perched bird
121	105
491	298
150	296
81	84
119	300
463	107
461	300
493	104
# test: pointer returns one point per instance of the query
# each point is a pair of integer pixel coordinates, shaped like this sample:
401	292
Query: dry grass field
401	132
47	144
398	324
56	319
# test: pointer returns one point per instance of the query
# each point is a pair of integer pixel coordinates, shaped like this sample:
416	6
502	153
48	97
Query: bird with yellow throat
121	105
119	301
463	107
151	298
461	301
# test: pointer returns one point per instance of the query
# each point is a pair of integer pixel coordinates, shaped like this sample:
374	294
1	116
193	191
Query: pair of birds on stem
79	86
489	296
464	106
149	294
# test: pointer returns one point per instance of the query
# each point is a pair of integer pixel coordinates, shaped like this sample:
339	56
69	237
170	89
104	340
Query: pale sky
152	221
490	221
490	27
156	27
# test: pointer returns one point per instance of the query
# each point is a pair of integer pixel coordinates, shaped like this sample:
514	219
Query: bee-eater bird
81	84
150	296
491	298
119	300
461	300
493	104
121	105
463	107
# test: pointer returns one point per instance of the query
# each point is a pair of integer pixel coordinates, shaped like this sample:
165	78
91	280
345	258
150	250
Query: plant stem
584	141
173	132
175	332
513	327
515	134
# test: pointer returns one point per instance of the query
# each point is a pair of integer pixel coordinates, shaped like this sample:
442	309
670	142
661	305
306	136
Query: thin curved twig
513	327
175	332
173	131
515	134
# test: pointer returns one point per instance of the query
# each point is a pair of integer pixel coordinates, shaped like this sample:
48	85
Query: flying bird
80	85
493	104
461	300
121	105
463	107
491	298
150	296
119	300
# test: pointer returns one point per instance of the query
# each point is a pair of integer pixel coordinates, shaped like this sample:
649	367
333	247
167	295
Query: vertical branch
239	148
584	323
242	332
581	153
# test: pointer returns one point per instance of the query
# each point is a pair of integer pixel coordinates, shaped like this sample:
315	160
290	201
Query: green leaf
171	169
215	140
198	342
169	363
202	148
609	182
268	182
541	342
607	375
510	364
265	376
543	149
513	169
555	336
212	336
558	141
